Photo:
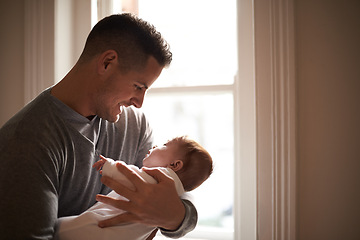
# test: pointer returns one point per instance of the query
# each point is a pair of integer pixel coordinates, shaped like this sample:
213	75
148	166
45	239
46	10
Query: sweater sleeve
28	182
188	224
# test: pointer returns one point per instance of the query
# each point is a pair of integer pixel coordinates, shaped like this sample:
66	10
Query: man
48	148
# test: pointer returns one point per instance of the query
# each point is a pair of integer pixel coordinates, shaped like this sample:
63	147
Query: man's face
120	90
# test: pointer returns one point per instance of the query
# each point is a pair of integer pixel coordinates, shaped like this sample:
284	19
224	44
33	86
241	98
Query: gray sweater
47	151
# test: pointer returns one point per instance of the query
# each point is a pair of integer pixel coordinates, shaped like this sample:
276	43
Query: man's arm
28	203
151	204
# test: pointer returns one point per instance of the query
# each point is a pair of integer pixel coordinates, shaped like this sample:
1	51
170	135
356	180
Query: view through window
194	96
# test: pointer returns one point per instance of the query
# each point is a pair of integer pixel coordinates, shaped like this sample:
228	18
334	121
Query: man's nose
138	100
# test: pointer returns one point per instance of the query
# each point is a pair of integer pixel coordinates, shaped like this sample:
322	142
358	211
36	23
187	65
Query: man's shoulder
35	118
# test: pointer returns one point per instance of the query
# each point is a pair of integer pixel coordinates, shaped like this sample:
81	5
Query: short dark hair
134	40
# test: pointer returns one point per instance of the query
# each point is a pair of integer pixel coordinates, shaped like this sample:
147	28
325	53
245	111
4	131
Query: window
194	96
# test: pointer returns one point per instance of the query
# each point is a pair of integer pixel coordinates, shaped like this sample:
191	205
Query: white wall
328	95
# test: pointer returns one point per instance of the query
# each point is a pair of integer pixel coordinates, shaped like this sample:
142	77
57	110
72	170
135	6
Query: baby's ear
176	165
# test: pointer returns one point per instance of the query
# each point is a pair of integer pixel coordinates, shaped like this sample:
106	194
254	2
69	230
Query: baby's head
191	162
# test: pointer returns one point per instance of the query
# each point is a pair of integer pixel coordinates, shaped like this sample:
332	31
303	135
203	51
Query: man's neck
74	91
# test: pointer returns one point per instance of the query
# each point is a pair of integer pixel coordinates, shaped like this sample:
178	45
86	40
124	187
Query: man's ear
176	165
106	59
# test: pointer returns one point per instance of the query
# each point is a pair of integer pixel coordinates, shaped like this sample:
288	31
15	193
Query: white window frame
274	62
264	93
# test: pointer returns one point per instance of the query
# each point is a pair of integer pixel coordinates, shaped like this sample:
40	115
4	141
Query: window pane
208	119
202	37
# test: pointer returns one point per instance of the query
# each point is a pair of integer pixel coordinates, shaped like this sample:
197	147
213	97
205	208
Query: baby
182	159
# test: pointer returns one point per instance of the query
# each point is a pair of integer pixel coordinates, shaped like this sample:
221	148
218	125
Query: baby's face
159	156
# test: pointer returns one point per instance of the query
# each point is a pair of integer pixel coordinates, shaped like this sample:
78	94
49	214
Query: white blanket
85	226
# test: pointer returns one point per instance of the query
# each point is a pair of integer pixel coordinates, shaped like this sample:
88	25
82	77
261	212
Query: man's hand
156	205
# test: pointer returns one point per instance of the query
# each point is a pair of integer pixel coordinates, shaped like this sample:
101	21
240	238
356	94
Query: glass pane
208	119
202	37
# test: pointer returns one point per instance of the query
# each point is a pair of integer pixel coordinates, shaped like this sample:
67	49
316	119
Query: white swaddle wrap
85	226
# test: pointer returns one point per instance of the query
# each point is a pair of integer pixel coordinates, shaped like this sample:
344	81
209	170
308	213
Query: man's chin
116	118
112	119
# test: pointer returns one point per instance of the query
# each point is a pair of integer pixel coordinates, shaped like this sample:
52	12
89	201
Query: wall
11	58
328	96
42	16
70	38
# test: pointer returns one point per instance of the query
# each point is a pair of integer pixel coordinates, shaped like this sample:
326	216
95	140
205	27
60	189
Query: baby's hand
99	164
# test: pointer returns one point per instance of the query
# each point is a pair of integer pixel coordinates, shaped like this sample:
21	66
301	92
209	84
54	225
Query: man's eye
137	87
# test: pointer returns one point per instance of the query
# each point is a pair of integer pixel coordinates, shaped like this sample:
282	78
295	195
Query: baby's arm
107	167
